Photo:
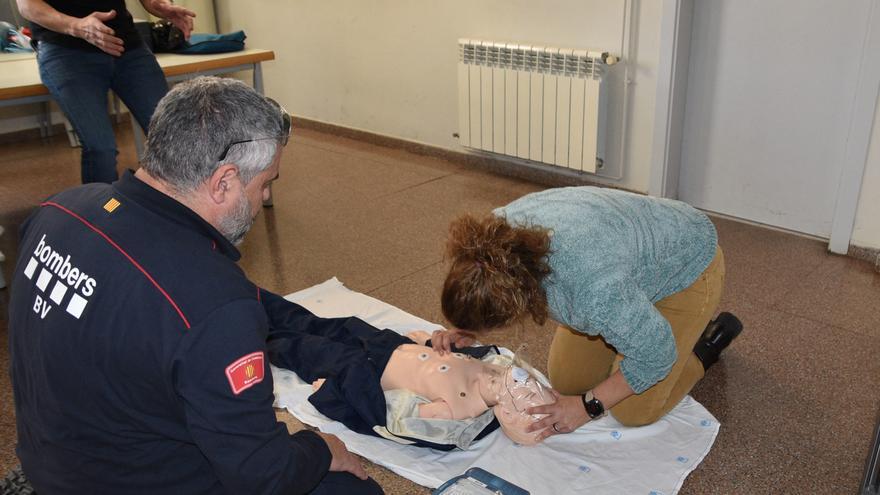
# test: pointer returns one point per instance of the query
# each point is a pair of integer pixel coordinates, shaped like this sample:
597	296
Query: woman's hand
563	416
442	340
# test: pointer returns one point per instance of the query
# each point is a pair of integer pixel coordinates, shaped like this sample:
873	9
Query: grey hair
195	122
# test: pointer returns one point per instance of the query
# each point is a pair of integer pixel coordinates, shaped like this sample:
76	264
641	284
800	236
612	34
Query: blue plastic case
476	481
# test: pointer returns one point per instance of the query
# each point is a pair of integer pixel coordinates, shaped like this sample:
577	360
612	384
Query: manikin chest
453	378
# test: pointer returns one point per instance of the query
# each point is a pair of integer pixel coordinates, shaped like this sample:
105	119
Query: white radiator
533	102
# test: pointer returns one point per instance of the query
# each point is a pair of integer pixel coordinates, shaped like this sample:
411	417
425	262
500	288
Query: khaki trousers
579	362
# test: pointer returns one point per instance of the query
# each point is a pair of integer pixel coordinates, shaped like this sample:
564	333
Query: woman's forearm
612	390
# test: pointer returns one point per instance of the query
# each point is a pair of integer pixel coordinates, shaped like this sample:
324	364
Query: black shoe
719	333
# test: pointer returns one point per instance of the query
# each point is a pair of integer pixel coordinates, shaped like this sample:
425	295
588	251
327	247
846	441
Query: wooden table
20	79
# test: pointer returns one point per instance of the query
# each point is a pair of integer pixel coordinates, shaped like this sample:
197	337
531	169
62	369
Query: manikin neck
491	382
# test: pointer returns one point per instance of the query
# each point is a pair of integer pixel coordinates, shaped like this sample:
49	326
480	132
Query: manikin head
214	144
511	391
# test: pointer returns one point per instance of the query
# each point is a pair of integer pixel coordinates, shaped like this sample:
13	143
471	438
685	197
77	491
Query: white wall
389	66
866	232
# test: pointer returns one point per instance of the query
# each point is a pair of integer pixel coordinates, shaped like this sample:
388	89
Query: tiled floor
796	394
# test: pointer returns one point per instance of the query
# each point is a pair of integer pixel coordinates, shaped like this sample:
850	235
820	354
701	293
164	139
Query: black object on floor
871	482
15	483
719	333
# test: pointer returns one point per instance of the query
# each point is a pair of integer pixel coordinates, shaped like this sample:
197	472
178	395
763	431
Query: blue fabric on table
203	43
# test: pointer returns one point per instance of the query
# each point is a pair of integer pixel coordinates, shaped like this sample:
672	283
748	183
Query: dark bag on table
166	37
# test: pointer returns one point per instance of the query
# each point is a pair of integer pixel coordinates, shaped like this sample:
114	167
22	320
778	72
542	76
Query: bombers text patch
245	372
59	281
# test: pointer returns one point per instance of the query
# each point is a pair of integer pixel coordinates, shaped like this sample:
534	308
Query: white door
769	97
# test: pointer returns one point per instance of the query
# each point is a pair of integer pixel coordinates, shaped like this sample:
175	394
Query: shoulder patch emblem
245	372
111	205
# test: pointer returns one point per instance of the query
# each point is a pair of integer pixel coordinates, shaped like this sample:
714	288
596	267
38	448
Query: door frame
671	94
858	139
675	33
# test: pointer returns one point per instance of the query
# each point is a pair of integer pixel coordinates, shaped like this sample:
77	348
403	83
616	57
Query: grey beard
238	222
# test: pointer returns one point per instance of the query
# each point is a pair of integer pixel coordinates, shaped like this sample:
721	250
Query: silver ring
555	428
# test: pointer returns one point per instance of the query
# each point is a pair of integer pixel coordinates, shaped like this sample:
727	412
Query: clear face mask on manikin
522	389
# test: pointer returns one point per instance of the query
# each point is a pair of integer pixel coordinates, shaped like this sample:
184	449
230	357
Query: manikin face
517	392
238	221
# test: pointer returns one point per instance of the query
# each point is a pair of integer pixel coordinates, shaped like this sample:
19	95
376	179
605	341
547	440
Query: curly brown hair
496	272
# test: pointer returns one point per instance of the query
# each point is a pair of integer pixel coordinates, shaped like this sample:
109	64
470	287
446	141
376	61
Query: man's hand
181	18
563	416
92	29
442	340
343	460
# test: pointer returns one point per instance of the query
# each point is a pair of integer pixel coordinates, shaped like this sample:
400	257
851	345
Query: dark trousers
346	484
79	80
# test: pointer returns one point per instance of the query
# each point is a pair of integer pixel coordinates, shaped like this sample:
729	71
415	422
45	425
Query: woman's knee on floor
637	416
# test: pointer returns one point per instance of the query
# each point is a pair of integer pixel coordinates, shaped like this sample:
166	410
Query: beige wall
867	227
389	66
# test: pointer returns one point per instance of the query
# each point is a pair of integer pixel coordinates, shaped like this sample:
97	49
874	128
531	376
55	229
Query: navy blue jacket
138	352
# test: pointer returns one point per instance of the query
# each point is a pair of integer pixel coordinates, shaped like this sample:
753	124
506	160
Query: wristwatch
593	406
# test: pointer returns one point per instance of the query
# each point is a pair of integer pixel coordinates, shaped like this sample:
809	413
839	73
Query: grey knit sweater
614	254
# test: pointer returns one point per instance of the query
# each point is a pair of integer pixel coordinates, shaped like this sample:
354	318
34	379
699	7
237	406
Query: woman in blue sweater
632	280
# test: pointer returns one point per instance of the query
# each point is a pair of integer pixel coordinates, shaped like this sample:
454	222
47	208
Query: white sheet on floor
601	457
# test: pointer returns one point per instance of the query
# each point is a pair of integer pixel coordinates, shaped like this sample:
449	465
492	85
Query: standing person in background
84	49
633	280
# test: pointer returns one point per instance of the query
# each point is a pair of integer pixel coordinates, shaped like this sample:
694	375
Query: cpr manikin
460	387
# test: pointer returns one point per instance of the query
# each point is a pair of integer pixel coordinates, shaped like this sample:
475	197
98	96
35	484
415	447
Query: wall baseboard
871	255
539	173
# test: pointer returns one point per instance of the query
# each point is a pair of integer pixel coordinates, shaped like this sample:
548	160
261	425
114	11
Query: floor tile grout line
370	291
370	160
825	323
413	186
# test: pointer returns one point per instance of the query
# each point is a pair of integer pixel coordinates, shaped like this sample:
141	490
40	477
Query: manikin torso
462	387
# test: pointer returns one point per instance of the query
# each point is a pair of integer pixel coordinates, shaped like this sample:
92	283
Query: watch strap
593	406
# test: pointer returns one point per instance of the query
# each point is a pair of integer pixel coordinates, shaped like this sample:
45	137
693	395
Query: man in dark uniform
84	49
138	346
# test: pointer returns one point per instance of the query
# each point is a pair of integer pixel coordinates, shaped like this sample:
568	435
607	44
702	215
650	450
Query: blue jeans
79	80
